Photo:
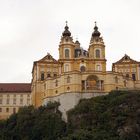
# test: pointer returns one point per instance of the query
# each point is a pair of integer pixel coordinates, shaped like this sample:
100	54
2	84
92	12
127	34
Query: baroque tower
97	50
66	49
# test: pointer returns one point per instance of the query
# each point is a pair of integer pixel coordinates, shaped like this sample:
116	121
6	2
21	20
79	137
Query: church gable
48	58
126	59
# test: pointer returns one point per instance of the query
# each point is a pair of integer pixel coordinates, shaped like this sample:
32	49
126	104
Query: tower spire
66	31
96	33
66	22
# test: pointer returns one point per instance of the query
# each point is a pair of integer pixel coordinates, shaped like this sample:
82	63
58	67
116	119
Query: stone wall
69	100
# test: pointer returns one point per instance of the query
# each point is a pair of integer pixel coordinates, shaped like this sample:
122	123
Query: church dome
77	42
96	33
66	31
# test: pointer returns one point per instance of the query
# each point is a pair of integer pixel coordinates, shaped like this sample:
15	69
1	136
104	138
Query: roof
15	87
48	59
127	60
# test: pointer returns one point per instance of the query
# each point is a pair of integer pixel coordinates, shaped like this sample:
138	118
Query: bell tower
66	46
97	50
66	50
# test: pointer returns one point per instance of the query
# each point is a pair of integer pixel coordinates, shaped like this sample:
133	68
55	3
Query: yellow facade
13	97
76	71
129	68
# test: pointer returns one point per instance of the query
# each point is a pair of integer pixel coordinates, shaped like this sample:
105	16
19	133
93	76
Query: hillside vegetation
112	117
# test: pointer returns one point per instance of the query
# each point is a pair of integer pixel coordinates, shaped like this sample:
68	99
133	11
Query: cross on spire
95	23
66	23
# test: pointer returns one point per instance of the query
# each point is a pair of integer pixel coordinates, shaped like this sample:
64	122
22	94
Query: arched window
97	53
67	55
82	68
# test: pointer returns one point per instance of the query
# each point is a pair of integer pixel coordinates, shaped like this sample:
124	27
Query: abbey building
80	73
77	74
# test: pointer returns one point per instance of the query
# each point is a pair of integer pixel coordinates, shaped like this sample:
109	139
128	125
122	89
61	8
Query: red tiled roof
15	87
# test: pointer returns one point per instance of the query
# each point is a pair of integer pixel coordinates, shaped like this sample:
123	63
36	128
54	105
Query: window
21	95
56	83
98	67
66	68
82	68
0	101
97	53
68	88
14	95
14	110
42	76
0	109
21	101
134	77
127	76
1	95
68	79
7	101
45	86
125	83
54	74
48	75
7	109
116	79
28	101
67	53
14	101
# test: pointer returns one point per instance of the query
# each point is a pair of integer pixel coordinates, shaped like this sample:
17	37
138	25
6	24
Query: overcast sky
31	28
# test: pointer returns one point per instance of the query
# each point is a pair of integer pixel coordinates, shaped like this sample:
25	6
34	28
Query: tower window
67	55
66	68
0	109
98	67
42	76
97	52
